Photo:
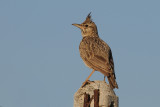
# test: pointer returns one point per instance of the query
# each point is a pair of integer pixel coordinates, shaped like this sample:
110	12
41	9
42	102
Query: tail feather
112	81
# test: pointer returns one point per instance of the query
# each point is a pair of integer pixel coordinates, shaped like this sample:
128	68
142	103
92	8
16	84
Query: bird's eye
86	25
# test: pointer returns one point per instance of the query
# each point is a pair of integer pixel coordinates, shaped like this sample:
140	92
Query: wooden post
96	98
95	94
86	100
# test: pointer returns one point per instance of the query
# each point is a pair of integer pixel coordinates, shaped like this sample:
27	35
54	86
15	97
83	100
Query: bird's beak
78	25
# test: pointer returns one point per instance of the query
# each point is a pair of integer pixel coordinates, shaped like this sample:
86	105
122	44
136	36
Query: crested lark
95	53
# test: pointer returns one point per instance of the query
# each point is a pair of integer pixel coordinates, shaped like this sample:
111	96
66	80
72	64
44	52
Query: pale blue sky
40	65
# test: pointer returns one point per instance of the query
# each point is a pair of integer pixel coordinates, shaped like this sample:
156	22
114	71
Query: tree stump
95	94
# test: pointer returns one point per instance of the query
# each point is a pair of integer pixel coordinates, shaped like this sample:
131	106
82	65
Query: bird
95	53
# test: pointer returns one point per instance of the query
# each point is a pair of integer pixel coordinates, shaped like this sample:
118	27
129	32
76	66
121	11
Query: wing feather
97	55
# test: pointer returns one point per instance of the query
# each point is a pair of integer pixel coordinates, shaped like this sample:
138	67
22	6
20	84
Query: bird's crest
88	19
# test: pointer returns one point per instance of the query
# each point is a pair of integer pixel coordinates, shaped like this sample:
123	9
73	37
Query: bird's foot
85	83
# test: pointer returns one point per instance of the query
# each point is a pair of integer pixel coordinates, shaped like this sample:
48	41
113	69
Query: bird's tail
112	80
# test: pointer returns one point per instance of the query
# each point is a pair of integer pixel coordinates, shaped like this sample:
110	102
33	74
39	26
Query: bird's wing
96	54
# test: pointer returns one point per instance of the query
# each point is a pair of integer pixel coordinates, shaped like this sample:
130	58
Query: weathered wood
86	100
96	98
111	105
106	95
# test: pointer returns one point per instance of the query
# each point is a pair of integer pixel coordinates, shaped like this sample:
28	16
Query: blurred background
40	65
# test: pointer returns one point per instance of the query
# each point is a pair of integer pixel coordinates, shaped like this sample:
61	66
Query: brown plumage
95	53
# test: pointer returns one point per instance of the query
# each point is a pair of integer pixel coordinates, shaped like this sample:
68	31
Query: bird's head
88	27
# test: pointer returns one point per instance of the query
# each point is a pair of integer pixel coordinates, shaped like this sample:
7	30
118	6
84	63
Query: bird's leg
88	78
